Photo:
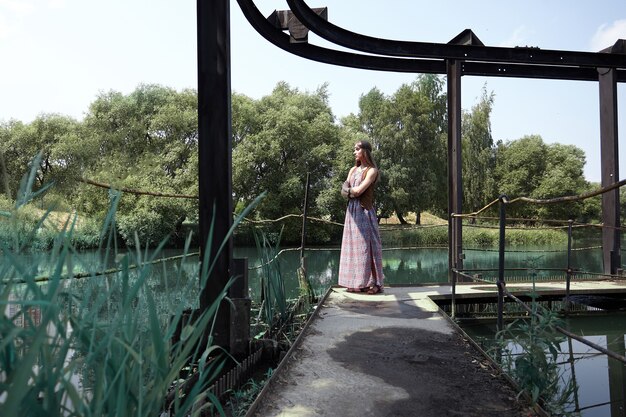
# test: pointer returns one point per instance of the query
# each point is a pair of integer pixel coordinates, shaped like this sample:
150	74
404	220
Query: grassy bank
433	231
32	228
430	235
16	228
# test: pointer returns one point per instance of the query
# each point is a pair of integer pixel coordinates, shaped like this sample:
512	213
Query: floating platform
391	354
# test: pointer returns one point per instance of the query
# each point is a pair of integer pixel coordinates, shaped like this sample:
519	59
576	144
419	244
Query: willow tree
408	131
478	154
278	139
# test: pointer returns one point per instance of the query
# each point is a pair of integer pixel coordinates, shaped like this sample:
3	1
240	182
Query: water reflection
589	260
400	267
412	266
599	381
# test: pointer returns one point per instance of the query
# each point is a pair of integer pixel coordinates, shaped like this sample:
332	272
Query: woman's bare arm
370	177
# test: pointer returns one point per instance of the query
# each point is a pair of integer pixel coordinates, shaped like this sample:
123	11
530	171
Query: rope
46	278
485	226
273	259
476	213
133	191
547	201
410	226
533	250
571	197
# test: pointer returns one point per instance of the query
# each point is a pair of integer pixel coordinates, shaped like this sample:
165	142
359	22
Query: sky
57	56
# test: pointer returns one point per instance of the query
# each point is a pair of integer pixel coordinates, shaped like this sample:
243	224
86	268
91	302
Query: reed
101	346
273	296
529	350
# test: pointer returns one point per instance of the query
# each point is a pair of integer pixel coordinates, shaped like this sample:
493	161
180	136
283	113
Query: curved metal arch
364	43
408	65
332	56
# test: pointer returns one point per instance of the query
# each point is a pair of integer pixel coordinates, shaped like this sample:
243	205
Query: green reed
528	350
102	345
273	297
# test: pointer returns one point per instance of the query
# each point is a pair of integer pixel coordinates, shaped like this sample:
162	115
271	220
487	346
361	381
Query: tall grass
528	350
101	346
273	296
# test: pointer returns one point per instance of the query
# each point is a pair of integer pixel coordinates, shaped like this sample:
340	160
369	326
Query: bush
153	219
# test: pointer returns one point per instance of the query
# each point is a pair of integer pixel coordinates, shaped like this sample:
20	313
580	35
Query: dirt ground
448	377
386	356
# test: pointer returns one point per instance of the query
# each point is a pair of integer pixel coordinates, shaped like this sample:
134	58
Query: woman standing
360	264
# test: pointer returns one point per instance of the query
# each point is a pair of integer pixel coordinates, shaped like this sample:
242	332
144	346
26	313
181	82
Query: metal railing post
568	277
453	270
503	201
303	277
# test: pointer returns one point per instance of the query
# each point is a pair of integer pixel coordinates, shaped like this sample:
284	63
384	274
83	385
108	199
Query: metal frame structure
463	55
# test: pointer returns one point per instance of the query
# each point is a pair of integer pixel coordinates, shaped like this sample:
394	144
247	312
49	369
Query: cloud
607	34
16	6
5	29
56	4
519	37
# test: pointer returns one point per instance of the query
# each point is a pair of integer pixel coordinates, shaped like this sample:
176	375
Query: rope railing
81	275
535	250
385	227
548	200
504	201
134	191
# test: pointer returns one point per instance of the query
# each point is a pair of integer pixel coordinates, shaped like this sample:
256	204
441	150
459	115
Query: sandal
376	289
365	289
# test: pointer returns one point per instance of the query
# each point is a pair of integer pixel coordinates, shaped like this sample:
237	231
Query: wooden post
610	169
455	190
214	153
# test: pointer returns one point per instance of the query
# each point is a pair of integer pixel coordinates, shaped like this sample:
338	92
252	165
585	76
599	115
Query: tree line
148	140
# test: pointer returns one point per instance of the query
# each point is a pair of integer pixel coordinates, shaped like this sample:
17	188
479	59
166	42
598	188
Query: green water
400	266
599	381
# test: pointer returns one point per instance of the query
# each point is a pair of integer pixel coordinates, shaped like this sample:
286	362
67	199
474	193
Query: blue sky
58	55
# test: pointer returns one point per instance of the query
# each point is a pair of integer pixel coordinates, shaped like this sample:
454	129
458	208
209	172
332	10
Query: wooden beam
214	153
455	186
610	169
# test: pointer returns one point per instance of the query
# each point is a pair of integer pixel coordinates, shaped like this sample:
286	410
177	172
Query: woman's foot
358	289
375	289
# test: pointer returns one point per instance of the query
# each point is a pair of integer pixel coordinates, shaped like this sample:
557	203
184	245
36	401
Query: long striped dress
361	250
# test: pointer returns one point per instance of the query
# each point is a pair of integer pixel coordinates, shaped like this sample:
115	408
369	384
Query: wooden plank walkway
476	290
394	354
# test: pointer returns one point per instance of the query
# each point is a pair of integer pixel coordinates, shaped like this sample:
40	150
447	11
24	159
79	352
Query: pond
597	378
598	381
400	266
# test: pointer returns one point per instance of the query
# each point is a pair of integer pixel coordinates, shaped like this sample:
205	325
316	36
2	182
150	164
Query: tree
146	140
563	176
408	132
528	167
520	165
21	142
478	155
286	135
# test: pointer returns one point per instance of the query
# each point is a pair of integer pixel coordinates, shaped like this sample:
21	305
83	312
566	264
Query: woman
360	264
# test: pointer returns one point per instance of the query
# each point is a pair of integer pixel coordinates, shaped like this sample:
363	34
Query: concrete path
389	354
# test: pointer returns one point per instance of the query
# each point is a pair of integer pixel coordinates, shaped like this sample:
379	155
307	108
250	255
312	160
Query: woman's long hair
363	144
